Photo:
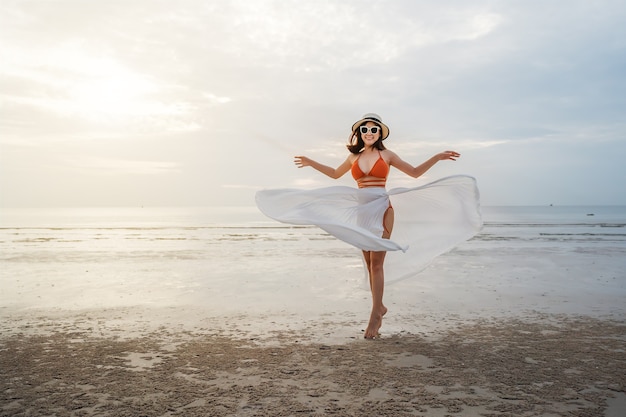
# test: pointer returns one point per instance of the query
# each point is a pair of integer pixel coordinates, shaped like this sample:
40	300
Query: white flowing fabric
429	220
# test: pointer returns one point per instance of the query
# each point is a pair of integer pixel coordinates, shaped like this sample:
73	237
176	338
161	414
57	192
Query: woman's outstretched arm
303	161
419	170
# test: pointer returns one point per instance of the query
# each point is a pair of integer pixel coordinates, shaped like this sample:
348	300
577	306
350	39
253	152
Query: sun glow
113	94
113	91
95	87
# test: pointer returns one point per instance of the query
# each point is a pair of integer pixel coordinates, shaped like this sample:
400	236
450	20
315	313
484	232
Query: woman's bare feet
376	321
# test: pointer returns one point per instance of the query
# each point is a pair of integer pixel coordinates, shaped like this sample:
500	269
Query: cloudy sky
160	103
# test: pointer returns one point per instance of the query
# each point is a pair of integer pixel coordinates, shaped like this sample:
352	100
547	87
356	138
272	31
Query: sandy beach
96	364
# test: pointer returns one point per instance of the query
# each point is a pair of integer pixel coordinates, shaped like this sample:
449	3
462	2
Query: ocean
232	260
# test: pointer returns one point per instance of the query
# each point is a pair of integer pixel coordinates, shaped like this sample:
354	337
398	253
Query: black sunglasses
373	129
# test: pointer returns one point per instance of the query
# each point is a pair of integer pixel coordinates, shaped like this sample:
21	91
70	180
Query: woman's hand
451	155
302	161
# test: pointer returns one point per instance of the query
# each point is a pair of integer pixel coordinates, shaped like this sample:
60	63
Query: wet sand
83	365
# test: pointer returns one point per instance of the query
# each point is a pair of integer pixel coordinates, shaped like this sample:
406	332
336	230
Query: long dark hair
356	144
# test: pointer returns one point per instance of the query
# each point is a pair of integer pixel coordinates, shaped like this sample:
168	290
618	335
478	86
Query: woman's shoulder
352	157
388	154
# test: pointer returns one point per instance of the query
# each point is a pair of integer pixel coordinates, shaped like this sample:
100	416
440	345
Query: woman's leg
375	265
367	257
377	285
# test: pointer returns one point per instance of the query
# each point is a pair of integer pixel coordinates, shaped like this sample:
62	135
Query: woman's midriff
367	182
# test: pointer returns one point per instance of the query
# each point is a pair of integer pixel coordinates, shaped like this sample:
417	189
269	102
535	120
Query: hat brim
383	126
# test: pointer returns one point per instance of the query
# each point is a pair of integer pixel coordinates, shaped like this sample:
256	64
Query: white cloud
112	166
213	99
331	35
480	25
240	186
307	182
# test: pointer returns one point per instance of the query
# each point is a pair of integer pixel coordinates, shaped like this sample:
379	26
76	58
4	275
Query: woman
364	217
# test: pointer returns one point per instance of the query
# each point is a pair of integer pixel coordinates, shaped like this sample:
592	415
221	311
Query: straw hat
372	117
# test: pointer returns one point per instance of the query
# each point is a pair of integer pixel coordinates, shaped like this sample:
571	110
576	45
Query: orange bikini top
377	177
